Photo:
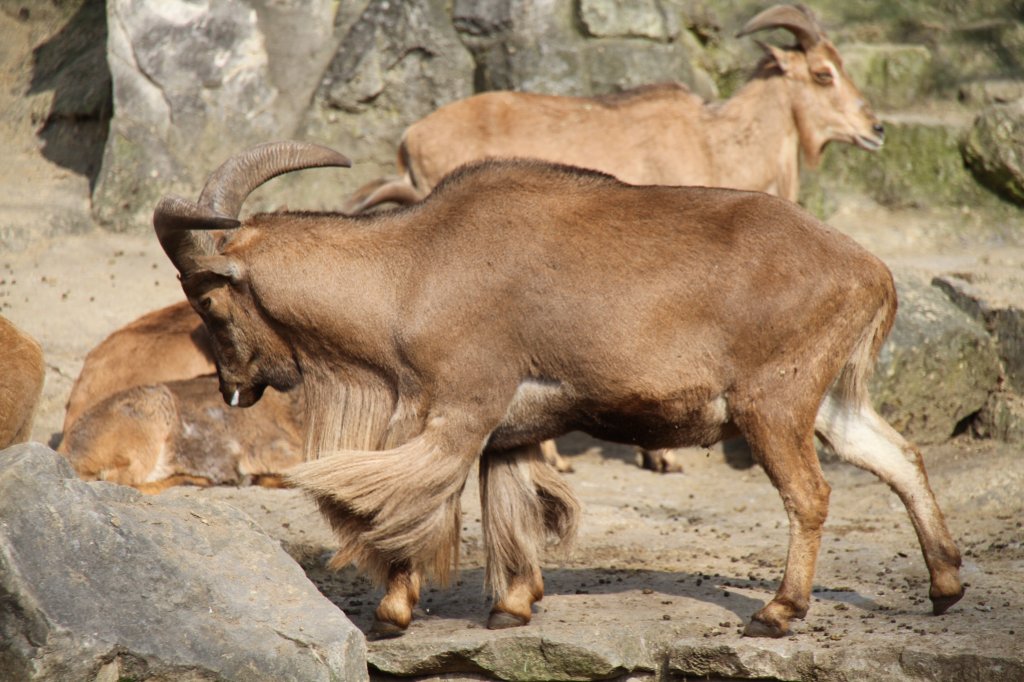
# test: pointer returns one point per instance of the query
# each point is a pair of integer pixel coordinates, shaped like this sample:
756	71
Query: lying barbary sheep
522	300
157	436
21	383
798	100
168	344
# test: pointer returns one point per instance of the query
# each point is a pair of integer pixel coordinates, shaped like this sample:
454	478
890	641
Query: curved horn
229	185
796	19
181	224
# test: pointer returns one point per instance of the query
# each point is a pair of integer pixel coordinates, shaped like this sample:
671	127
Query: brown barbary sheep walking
22	373
522	300
798	101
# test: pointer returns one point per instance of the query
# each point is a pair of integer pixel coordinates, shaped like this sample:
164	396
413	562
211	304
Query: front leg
397	512
394	613
524	502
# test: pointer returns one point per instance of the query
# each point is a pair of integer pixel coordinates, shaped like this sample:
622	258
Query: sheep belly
543	409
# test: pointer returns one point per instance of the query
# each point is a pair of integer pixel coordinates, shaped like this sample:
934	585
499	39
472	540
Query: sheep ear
775	56
218	266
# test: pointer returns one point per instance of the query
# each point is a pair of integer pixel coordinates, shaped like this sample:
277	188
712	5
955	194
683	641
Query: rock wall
183	84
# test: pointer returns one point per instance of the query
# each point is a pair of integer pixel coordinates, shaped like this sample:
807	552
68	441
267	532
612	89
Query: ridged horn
181	224
228	186
796	19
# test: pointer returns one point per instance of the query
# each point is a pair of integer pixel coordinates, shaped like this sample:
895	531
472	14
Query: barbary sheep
521	300
181	433
799	100
167	344
21	383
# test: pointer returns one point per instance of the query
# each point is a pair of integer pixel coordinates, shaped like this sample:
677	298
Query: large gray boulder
195	83
994	149
938	366
998	306
584	48
99	582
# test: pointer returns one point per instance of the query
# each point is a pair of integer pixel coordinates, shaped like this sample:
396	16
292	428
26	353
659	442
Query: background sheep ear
219	266
774	56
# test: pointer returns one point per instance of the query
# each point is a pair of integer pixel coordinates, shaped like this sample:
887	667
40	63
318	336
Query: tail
852	384
524	501
380	191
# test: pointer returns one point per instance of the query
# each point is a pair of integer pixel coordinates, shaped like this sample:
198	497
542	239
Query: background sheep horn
796	19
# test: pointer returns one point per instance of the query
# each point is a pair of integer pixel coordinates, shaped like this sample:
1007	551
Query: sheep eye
205	303
823	77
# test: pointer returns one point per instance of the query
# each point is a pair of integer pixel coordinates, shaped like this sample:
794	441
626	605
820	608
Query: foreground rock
99	582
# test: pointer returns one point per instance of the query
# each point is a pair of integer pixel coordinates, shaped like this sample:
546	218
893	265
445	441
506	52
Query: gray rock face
937	367
994	149
98	580
192	85
1003	319
397	62
890	76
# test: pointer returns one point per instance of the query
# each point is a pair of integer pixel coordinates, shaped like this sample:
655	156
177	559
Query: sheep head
249	353
827	104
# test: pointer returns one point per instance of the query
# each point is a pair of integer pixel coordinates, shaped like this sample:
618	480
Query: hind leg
523	501
860	436
788	457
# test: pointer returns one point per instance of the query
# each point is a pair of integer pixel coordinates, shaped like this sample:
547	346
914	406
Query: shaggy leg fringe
523	501
394	506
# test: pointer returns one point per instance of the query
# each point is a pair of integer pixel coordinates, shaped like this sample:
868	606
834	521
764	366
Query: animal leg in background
524	501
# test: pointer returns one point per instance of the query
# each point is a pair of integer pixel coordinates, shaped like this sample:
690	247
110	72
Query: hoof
382	629
499	620
756	628
941	604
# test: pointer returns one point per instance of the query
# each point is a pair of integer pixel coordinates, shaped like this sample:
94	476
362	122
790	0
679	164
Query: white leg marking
861	437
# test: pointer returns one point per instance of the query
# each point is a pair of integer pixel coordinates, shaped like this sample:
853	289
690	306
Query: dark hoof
941	604
499	620
756	628
384	630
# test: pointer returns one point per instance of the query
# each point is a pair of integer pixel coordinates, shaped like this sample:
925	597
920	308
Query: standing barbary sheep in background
799	99
21	383
522	300
167	344
155	437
